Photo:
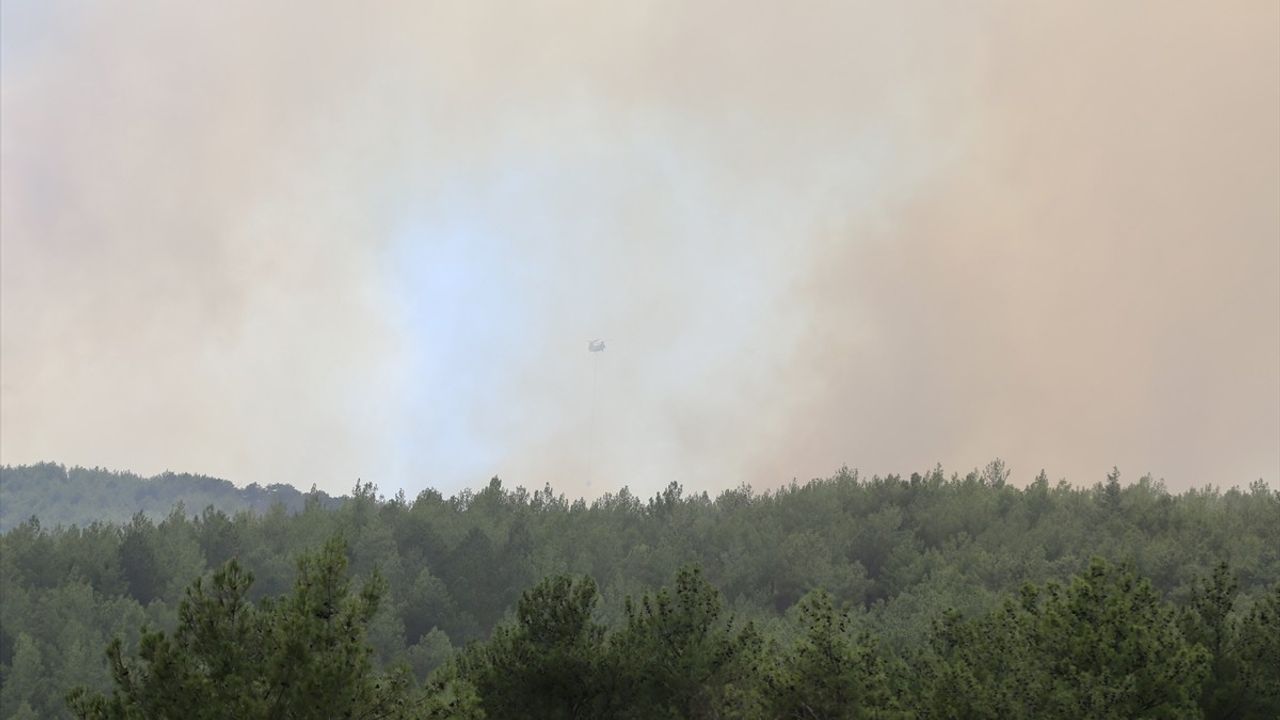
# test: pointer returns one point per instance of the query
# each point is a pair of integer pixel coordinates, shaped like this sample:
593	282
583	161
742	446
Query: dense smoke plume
304	243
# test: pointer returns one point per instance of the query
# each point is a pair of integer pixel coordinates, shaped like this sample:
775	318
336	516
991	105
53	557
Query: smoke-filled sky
306	242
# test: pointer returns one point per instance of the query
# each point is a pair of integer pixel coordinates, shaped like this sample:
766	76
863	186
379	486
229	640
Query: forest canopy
921	596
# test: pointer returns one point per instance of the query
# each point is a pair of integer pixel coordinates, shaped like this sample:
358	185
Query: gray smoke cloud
303	243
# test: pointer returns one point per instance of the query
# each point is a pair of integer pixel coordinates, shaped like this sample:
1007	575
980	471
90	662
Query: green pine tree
303	655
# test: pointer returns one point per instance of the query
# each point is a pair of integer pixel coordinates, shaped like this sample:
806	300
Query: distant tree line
58	495
922	596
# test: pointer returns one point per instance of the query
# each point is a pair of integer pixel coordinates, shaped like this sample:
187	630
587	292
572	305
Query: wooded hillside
912	586
58	495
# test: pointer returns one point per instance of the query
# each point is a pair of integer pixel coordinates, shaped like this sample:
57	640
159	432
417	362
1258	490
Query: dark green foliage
1208	620
138	562
894	553
1103	647
1244	649
551	662
1259	649
1112	649
301	656
680	657
831	672
23	679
